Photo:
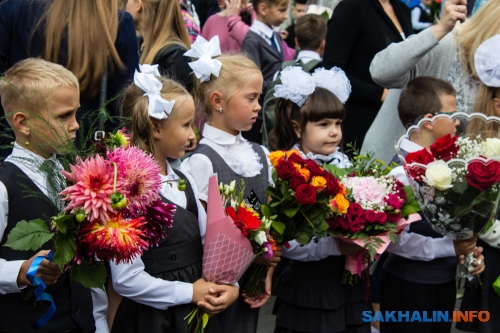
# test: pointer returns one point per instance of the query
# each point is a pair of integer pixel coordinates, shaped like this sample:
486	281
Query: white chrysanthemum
333	80
295	85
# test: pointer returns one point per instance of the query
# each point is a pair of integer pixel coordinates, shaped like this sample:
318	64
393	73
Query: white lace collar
336	158
236	151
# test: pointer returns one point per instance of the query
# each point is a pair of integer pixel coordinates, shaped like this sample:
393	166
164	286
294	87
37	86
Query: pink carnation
367	190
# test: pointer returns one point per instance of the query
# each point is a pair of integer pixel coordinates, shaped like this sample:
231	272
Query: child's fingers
210	308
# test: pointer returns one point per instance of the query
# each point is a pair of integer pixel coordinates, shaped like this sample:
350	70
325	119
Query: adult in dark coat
205	9
358	30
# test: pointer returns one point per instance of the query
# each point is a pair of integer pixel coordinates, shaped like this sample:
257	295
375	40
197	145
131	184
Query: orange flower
304	172
318	182
275	157
339	204
288	153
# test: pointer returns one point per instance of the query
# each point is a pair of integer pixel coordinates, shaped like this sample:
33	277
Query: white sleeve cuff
184	292
9	270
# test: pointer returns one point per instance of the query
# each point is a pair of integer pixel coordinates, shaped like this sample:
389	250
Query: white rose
260	238
438	175
491	147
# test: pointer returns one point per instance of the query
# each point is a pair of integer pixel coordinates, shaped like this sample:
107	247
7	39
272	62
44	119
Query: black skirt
311	298
488	300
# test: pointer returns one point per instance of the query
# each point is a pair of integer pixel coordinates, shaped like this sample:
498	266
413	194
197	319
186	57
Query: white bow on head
487	61
333	80
204	51
158	107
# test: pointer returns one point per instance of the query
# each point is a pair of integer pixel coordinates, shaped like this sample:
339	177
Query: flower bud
118	201
182	184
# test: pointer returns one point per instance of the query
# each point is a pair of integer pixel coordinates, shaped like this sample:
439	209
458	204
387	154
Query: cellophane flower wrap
235	235
112	211
374	210
300	197
457	179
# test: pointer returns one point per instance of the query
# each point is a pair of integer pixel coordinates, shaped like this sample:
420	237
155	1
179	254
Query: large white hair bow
296	85
333	80
158	107
204	51
487	61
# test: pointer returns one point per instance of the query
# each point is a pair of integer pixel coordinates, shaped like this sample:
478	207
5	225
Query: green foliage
89	275
30	235
65	249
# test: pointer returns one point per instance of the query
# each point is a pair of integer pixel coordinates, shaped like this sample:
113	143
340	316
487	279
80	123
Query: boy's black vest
424	17
437	271
73	302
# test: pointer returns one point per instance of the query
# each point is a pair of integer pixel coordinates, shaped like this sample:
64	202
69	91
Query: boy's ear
20	122
496	106
428	124
216	100
262	8
296	128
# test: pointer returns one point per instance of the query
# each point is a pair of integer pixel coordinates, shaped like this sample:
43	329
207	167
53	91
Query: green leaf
460	187
29	235
65	249
323	226
291	210
88	275
410	208
64	222
278	226
266	211
302	238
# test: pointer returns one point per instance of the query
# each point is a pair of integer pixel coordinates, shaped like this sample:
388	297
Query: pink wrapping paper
226	253
355	266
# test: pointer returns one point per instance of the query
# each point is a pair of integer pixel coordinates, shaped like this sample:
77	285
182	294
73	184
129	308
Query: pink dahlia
117	239
140	172
93	184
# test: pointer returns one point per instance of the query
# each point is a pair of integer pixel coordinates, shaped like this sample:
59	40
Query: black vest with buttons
73	302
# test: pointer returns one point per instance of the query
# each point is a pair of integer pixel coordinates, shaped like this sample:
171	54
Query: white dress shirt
307	55
131	281
415	17
265	32
30	163
409	244
236	151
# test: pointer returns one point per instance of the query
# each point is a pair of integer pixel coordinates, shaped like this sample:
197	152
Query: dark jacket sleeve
173	64
344	33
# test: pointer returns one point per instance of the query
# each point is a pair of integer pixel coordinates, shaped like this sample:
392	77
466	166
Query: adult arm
236	28
343	35
427	53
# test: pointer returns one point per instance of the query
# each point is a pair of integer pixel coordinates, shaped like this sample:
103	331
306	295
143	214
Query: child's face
276	14
443	126
242	109
177	131
321	137
299	10
55	126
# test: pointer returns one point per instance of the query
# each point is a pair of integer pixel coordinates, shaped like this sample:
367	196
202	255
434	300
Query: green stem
115	176
309	221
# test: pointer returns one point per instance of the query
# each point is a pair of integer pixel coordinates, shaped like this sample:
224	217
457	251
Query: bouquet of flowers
113	212
373	210
457	179
300	197
235	235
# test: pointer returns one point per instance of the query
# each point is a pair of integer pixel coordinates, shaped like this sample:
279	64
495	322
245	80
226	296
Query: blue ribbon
39	293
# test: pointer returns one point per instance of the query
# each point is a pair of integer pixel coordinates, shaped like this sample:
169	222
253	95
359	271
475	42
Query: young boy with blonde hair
40	100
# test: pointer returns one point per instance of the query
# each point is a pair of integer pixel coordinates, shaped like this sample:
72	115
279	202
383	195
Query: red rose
333	223
296	158
394	217
445	147
314	168
381	218
306	194
355	227
296	181
371	216
285	169
355	209
361	218
400	191
422	156
415	171
482	175
333	186
394	201
343	223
